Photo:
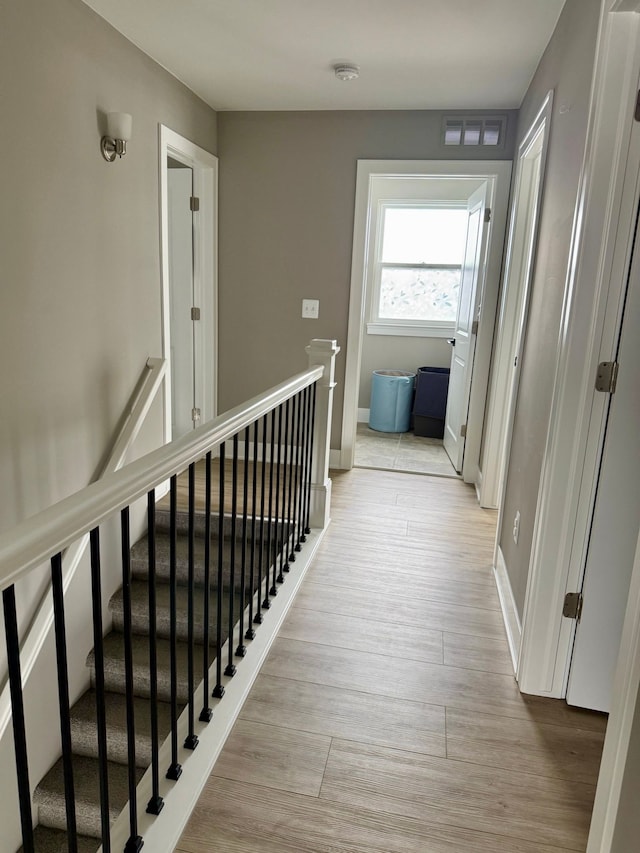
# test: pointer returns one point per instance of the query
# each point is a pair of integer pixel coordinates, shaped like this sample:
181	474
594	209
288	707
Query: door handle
451	341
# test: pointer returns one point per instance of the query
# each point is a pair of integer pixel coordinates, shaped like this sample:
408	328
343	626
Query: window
471	130
418	260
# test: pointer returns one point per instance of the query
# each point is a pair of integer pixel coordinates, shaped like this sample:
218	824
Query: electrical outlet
516	527
310	309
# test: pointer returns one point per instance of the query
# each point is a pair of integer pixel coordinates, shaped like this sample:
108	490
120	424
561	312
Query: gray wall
287	192
80	289
567	68
627	827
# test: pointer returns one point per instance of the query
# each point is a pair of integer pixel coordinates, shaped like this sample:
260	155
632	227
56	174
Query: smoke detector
345	71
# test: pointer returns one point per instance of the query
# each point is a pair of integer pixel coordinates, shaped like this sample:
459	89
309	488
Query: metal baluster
276	520
218	690
266	603
250	632
312	424
101	716
307	466
295	540
63	700
283	530
291	558
206	713
242	649
175	770
17	714
230	669
135	841
258	617
155	804
303	466
191	740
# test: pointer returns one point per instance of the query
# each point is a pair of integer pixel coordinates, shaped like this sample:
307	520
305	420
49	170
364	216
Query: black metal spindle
135	841
266	603
63	700
230	668
312	423
101	716
295	538
258	617
242	649
250	632
175	769
283	527
303	466
206	713
191	740
276	520
291	557
17	715
155	804
307	466
218	690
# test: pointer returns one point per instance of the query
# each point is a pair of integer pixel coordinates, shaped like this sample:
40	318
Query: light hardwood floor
386	717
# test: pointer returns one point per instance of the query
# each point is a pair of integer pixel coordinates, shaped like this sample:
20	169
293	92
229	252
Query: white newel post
323	353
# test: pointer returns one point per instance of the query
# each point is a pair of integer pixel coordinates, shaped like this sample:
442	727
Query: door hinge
636	113
194	204
487	214
463	431
195	414
607	376
572	607
474	327
195	313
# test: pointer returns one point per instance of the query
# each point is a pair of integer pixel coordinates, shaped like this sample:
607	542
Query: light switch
310	309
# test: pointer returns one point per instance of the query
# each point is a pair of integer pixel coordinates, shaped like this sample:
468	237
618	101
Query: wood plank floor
386	718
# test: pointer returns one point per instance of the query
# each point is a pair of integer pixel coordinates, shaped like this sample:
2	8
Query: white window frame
377	325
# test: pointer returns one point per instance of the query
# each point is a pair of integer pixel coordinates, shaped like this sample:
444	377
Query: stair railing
286	432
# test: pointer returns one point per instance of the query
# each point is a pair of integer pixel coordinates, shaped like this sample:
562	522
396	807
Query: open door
614	527
464	340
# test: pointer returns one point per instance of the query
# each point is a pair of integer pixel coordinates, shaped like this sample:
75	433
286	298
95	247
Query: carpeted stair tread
163	524
50	799
84	731
140	611
47	840
114	674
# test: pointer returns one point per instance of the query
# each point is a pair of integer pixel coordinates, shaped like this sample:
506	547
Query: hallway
386	716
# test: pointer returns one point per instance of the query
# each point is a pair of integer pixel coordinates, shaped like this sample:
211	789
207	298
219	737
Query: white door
614	529
464	339
181	286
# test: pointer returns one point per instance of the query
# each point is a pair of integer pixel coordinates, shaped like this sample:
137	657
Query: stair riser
140	626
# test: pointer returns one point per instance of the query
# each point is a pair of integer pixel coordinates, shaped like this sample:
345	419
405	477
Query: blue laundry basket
391	399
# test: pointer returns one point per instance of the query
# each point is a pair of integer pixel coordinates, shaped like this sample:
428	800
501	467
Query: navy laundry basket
391	396
430	405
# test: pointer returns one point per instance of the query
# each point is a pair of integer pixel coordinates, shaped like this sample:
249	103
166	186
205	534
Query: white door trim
600	244
512	316
205	187
498	173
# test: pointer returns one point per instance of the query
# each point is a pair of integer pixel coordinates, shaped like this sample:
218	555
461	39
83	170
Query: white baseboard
162	833
509	610
363	416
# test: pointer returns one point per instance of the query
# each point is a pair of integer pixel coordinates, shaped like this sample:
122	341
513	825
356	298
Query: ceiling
279	54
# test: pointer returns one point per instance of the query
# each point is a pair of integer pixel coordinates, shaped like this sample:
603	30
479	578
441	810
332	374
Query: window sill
409	330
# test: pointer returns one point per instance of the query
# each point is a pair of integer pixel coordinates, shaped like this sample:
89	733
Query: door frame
498	175
205	271
603	228
514	305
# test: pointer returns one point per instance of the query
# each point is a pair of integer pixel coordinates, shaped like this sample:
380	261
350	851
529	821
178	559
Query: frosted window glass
419	294
472	132
491	135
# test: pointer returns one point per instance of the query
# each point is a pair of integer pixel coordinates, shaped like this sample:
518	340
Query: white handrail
42	621
35	540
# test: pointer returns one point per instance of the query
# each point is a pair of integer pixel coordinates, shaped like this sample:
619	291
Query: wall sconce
118	134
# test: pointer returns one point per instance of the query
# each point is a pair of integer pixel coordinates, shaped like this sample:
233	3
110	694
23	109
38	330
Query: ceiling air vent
487	131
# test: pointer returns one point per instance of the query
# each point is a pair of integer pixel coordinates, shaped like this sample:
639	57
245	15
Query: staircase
50	834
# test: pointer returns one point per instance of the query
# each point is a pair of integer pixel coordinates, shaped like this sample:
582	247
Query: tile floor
401	452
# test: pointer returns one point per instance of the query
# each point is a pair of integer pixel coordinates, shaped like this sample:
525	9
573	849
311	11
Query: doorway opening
188	216
410	297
